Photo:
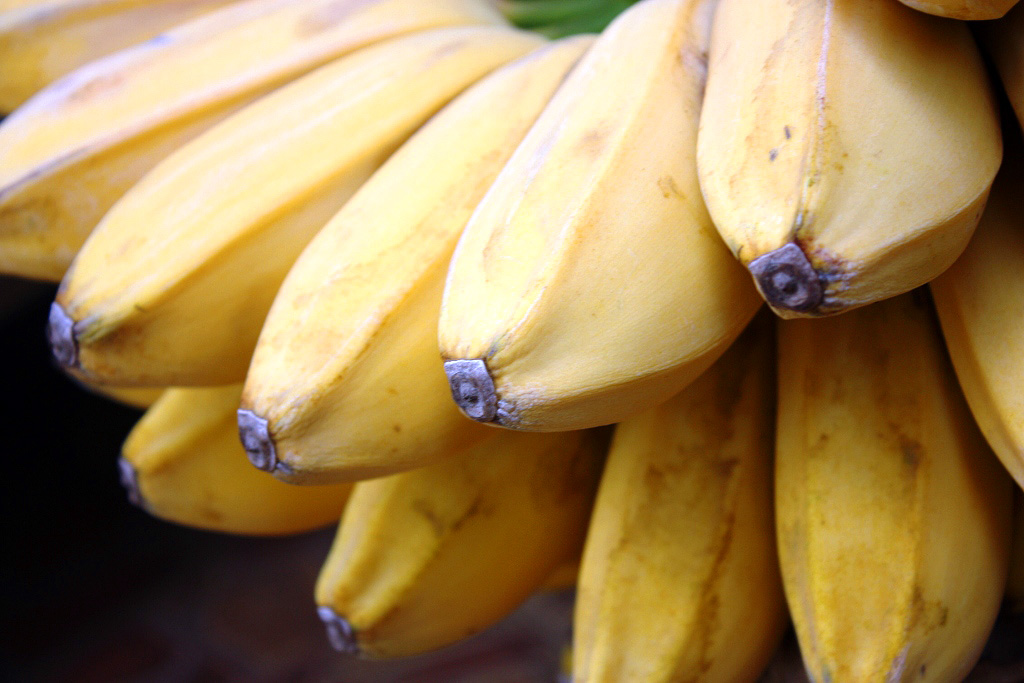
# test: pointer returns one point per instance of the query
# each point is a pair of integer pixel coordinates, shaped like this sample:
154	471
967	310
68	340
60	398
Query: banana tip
130	481
472	388
60	332
259	446
339	632
787	280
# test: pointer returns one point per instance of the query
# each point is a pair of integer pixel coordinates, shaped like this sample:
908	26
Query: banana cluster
401	263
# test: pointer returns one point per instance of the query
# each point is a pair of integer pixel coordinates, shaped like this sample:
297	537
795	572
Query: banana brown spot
472	388
60	332
787	279
130	481
259	446
339	632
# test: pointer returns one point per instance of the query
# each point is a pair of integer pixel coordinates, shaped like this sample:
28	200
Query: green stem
534	13
592	22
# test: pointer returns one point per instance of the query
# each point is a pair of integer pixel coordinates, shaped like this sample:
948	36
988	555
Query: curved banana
679	579
70	153
980	301
135	397
181	302
1004	41
427	557
590	283
969	10
183	462
43	40
850	166
893	515
344	382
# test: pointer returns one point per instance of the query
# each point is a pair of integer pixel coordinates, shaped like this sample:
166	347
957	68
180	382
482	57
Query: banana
679	578
70	153
1004	42
183	462
589	283
963	9
893	515
43	40
134	397
344	382
428	557
849	166
980	301
181	302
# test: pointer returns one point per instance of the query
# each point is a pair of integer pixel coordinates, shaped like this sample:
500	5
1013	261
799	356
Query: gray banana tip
339	632
130	481
787	280
256	440
60	332
472	388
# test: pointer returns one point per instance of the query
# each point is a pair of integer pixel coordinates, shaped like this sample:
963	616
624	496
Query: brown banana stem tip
339	632
472	388
787	279
256	440
60	332
130	481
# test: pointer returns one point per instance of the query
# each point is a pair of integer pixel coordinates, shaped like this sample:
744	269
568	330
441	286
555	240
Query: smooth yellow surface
69	154
679	579
192	470
346	369
173	285
590	278
431	556
41	41
893	514
980	301
969	10
861	130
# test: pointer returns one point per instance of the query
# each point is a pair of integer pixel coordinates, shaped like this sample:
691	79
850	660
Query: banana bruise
227	214
980	301
969	10
344	382
848	167
76	148
893	515
42	41
182	462
589	283
428	557
679	578
1003	40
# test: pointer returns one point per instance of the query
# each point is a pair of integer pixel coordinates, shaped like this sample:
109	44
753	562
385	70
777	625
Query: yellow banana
590	283
850	165
344	382
183	462
1004	42
428	557
679	578
980	301
893	515
41	41
173	285
68	155
963	9
136	397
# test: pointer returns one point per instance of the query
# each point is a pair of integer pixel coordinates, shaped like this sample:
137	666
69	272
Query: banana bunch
399	262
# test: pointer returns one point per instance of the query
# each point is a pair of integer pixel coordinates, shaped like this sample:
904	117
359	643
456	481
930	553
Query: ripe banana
41	41
1004	42
183	462
679	578
227	214
428	557
963	9
848	166
70	153
980	301
590	283
344	382
893	515
135	397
